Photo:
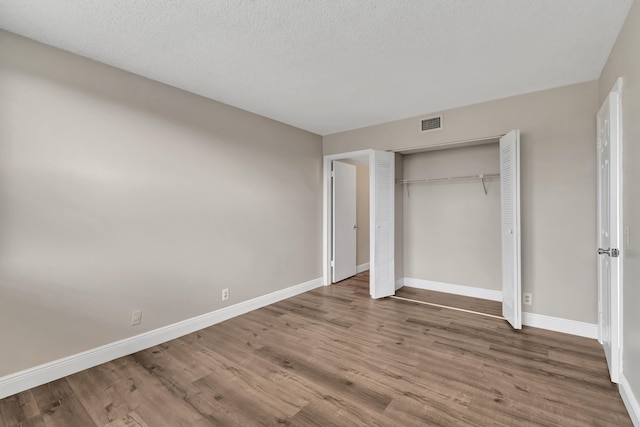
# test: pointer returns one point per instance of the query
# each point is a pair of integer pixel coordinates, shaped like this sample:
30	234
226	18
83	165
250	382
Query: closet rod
450	178
481	177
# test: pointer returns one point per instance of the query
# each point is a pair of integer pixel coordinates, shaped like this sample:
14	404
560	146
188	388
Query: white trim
557	324
620	238
451	144
630	400
450	288
399	283
348	155
362	267
42	374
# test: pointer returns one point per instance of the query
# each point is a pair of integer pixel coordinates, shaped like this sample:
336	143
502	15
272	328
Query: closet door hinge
333	174
333	264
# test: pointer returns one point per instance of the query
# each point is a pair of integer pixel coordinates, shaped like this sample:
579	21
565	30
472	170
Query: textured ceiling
328	66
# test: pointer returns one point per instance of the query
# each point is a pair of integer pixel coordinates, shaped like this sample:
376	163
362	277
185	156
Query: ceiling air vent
432	123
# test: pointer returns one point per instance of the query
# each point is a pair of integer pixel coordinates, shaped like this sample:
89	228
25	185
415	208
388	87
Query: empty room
243	213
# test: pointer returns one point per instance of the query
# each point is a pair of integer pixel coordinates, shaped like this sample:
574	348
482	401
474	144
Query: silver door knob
612	252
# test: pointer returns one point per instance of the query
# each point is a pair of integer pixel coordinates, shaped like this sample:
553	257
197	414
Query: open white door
344	221
381	208
510	195
609	278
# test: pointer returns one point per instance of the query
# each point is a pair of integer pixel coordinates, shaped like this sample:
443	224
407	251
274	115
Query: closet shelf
465	178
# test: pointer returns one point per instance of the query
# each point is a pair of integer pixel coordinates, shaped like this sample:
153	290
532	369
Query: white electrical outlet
225	294
527	298
136	317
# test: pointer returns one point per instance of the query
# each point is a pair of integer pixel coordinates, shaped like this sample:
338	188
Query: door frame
327	208
377	286
481	141
615	197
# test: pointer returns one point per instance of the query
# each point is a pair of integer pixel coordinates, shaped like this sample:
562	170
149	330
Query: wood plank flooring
493	308
334	357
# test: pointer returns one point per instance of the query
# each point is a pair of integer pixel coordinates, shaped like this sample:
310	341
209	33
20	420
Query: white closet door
344	221
510	195
382	269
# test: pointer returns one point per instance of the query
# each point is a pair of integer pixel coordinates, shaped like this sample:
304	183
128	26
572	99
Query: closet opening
442	219
451	204
461	237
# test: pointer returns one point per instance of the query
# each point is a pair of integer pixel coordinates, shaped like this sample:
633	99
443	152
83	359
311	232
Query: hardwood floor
493	308
334	357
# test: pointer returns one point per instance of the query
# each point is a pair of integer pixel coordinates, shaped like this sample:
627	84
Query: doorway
344	223
381	219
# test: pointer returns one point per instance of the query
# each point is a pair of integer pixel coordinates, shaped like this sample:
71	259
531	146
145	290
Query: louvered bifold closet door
382	168
510	195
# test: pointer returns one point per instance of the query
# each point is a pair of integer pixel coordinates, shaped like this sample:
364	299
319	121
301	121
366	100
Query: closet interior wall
362	214
362	209
452	229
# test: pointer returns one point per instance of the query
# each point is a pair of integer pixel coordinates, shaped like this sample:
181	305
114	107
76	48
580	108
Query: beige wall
362	214
118	193
452	230
624	62
558	184
362	208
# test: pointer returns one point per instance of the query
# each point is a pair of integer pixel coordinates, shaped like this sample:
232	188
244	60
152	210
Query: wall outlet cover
136	317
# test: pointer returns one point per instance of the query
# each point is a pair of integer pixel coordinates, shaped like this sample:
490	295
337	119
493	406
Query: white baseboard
42	374
399	283
449	288
573	327
362	267
630	400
